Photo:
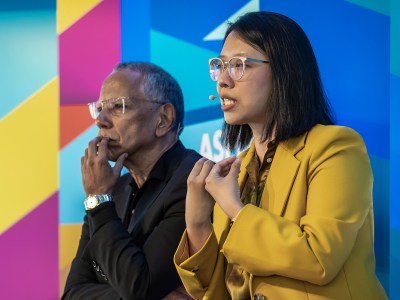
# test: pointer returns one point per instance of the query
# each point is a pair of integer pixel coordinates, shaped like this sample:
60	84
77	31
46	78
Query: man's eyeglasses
236	66
116	106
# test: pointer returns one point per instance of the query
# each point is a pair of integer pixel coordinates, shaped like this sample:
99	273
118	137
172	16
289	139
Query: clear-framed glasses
116	106
236	66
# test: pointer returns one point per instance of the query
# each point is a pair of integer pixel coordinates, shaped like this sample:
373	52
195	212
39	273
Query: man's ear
166	119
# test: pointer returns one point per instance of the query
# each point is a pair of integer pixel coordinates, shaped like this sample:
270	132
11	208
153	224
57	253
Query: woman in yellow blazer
292	216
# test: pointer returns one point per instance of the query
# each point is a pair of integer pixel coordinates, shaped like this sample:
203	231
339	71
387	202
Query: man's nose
103	120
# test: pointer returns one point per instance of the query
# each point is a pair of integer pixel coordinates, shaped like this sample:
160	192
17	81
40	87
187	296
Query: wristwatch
93	201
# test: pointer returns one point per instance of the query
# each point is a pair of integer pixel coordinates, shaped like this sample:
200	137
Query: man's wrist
93	201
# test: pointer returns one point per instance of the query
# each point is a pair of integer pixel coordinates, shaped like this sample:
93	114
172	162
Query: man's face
133	132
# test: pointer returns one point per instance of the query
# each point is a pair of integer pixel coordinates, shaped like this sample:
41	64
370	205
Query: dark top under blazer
116	261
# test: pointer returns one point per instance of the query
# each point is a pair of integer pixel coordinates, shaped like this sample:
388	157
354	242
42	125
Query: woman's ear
166	120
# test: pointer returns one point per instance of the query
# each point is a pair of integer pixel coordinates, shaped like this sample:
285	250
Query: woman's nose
225	80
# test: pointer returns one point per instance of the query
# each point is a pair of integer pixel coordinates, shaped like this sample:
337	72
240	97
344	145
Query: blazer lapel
282	175
164	170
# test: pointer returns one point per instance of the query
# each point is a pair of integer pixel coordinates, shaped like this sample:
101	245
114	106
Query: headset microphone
212	97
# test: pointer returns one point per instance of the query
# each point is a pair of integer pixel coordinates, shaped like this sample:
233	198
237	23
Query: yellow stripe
68	245
29	138
68	242
70	11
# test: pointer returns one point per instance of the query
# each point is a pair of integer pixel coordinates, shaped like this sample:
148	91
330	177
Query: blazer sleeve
82	282
338	197
204	272
132	271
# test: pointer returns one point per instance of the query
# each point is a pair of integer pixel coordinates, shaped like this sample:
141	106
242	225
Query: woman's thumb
235	167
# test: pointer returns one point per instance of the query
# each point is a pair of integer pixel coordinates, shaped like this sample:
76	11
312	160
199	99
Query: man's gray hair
159	85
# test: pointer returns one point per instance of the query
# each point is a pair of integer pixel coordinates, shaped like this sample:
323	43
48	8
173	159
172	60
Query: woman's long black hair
297	101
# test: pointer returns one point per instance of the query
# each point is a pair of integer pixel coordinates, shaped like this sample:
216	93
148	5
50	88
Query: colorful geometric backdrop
55	54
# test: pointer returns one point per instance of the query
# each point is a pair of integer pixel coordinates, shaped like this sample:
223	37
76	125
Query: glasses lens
95	109
117	106
236	68
216	66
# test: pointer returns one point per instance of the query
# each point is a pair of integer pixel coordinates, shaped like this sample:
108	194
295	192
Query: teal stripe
395	263
380	6
188	63
395	38
28	55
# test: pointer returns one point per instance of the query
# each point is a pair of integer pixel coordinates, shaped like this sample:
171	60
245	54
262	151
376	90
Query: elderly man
133	223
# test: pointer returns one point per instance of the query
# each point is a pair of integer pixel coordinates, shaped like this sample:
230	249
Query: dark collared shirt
257	176
237	279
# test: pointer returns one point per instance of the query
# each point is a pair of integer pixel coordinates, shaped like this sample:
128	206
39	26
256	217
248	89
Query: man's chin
113	156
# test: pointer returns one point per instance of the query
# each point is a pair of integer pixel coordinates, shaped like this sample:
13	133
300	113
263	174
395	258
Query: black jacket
134	261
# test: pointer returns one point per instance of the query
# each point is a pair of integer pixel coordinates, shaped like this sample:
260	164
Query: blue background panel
395	186
352	45
135	30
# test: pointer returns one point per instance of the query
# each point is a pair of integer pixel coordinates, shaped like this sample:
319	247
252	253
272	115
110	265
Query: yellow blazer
312	237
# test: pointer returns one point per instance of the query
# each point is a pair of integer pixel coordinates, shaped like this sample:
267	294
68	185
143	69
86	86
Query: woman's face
244	101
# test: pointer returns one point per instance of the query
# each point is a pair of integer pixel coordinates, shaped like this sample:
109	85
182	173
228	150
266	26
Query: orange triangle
74	120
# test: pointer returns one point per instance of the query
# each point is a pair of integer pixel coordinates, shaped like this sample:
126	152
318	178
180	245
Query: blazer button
259	297
195	269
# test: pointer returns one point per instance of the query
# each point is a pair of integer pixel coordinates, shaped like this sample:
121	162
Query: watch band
93	201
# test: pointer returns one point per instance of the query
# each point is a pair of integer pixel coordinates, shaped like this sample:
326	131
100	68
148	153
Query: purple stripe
89	50
29	255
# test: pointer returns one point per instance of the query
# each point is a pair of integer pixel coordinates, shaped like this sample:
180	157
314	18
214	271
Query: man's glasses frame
236	66
116	106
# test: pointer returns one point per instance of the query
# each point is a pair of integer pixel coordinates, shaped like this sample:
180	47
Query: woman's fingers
223	167
207	166
197	167
201	169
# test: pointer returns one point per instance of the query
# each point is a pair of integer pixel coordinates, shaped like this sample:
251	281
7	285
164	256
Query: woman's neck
261	147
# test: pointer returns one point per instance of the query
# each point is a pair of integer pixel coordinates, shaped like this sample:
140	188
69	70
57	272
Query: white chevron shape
219	32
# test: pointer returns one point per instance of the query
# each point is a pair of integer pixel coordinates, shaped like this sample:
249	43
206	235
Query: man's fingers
82	162
102	150
92	147
119	163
